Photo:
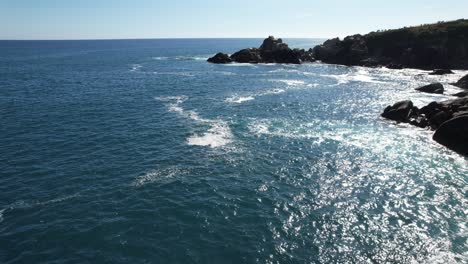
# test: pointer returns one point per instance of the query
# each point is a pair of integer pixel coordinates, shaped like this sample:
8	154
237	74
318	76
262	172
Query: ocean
139	151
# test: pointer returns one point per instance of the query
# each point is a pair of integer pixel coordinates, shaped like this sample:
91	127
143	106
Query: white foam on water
239	99
273	91
292	82
136	67
1	214
157	176
359	76
186	74
240	65
160	58
219	133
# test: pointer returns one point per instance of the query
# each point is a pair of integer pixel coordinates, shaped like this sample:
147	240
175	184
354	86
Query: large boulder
220	58
436	88
400	111
462	83
247	56
454	134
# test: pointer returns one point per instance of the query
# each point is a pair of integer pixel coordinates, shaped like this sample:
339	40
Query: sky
120	19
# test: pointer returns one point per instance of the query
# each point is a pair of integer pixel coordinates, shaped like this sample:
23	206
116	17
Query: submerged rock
441	72
220	58
454	134
436	88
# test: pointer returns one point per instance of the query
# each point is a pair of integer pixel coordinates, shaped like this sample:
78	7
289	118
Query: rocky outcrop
448	118
436	88
220	58
271	51
435	46
441	72
454	134
462	83
399	112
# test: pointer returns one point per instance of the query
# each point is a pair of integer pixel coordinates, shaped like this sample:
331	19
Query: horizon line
165	38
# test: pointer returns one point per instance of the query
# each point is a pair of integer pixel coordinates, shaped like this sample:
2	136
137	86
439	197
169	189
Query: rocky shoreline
439	47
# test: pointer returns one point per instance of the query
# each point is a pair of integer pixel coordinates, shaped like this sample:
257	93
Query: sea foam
219	133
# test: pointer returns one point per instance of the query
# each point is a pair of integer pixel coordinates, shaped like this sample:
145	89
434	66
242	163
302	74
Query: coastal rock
454	134
435	46
247	56
399	112
220	58
272	44
462	83
441	72
271	51
436	88
449	118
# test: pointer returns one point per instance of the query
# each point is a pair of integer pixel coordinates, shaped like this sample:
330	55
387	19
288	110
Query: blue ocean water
139	151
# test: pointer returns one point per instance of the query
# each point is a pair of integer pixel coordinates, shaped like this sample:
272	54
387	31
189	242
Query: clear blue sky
110	19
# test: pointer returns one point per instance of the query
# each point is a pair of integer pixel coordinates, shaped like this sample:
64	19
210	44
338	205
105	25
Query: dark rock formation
435	46
454	134
461	94
462	83
399	112
449	119
271	51
220	58
437	88
247	56
441	72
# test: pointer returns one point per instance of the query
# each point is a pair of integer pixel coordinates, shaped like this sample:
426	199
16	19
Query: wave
186	74
359	76
219	134
26	205
136	67
162	175
292	82
192	58
239	99
160	58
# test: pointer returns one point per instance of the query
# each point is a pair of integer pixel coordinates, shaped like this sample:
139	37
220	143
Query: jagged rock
437	88
462	83
441	72
271	51
272	44
454	134
220	58
399	112
247	56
